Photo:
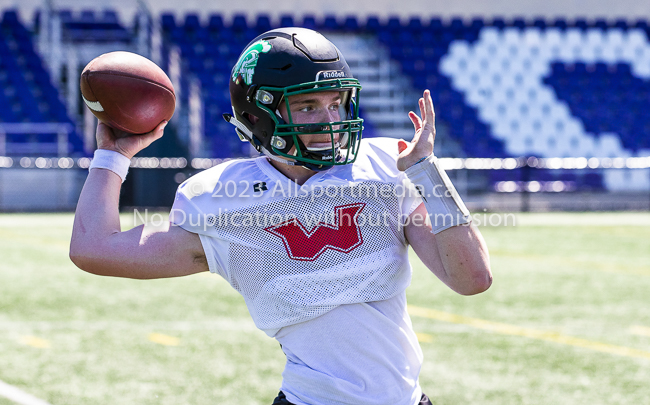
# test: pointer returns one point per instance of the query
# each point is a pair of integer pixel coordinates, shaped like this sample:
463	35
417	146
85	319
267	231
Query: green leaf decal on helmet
246	64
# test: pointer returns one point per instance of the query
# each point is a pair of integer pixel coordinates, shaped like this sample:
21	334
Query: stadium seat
87	17
581	24
263	23
192	22
330	23
168	22
350	24
519	22
477	24
372	24
309	22
539	23
415	25
215	23
560	23
498	22
239	23
286	21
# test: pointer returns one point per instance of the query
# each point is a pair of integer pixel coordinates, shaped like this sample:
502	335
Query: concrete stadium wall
629	9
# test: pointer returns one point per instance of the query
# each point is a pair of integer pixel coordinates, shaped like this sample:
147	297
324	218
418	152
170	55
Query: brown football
128	92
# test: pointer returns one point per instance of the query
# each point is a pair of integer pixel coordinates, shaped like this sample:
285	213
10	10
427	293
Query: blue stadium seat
457	24
87	17
641	24
10	18
560	23
394	24
601	23
109	17
65	15
216	22
330	23
372	24
519	22
192	22
309	21
263	23
415	25
239	23
539	23
622	24
435	24
498	22
477	24
350	24
286	21
581	23
168	22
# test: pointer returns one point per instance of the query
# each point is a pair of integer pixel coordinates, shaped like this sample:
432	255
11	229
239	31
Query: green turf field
567	321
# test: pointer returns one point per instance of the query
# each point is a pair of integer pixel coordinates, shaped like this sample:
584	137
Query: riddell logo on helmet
330	74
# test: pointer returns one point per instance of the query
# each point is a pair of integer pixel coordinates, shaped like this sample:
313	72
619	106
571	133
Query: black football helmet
277	65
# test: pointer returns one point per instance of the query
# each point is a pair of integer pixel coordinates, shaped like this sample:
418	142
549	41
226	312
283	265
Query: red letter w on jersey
343	236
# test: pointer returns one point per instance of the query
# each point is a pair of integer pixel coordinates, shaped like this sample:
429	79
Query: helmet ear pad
262	125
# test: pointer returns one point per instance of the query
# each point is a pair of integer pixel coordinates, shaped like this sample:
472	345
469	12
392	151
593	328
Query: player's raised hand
124	143
425	133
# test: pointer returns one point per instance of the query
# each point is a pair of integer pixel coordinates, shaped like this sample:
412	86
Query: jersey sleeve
189	212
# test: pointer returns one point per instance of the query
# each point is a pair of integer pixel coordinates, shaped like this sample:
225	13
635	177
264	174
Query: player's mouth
320	143
319	146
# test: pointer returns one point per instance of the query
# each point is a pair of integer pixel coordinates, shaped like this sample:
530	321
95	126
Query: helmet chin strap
276	158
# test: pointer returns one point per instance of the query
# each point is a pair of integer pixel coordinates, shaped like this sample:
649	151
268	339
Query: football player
314	232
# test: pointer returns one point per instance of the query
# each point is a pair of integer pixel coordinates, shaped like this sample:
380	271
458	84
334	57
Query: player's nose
326	114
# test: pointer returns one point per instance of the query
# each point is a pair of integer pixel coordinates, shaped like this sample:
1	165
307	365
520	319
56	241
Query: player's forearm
96	217
465	259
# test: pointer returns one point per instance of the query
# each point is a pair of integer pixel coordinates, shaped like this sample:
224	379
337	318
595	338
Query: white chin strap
247	136
277	158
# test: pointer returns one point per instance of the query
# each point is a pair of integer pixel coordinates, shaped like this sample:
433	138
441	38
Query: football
127	92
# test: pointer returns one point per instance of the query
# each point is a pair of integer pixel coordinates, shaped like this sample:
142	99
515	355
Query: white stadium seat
459	48
614	37
573	37
594	38
511	36
553	36
609	145
490	35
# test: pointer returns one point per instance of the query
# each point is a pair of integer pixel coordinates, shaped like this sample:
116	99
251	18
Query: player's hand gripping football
124	143
425	133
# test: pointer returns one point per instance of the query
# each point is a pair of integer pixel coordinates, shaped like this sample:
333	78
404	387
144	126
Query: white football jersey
322	265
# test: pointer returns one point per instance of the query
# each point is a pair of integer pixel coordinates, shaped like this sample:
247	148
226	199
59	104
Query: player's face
314	108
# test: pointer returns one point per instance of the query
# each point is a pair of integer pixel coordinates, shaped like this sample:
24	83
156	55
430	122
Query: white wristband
443	204
111	160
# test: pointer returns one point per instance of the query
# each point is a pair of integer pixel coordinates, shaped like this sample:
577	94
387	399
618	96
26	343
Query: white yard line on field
19	396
